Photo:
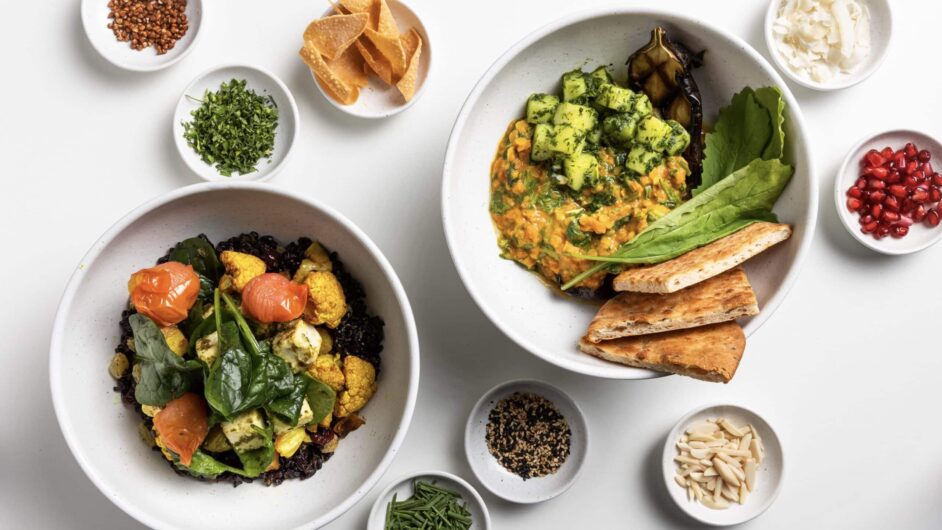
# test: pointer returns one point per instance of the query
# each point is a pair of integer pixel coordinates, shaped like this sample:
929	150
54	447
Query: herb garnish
431	507
233	128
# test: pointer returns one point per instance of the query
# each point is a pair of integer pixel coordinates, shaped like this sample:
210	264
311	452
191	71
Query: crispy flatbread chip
349	68
357	6
352	95
722	298
334	34
341	91
390	48
407	84
377	63
704	262
710	353
410	42
385	23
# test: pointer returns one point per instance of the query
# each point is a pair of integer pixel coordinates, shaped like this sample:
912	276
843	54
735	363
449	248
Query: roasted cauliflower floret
360	377
298	344
327	304
327	369
207	348
176	340
241	431
241	267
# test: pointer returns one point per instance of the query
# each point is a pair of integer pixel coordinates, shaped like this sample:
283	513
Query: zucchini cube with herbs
541	107
574	86
677	140
619	129
641	160
620	99
653	132
541	146
580	168
579	117
567	140
243	431
597	78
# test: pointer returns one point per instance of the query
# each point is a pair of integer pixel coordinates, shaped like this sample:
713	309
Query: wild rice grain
528	435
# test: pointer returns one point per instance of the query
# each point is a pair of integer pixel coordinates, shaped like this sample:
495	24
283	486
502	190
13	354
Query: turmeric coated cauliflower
326	368
176	340
327	304
360	377
241	267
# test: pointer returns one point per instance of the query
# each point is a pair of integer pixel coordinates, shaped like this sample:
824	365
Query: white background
846	370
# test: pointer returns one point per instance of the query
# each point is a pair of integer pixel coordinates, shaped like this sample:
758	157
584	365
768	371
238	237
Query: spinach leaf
229	377
256	461
198	252
288	406
206	466
576	236
165	376
320	397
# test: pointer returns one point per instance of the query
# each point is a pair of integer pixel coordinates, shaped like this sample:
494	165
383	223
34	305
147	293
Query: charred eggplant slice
662	70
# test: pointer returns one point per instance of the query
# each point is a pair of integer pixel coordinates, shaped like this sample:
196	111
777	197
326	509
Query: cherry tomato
164	293
182	425
273	298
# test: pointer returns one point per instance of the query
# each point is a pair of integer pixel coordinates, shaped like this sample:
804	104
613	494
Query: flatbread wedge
704	262
721	298
710	353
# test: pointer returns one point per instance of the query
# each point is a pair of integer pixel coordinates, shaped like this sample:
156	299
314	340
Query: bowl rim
668	454
378	504
550	388
87	26
87	262
851	80
612	370
840	190
209	173
426	51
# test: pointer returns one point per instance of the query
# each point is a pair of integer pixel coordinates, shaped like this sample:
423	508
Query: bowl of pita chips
691	271
369	58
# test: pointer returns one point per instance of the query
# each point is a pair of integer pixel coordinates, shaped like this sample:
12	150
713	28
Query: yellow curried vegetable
327	304
360	377
287	443
241	267
326	368
176	340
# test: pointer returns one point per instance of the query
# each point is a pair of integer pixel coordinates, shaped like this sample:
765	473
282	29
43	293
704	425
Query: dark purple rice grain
293	254
359	333
265	248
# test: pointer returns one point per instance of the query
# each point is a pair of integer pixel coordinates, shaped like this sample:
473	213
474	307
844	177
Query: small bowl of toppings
142	35
369	58
526	441
828	44
888	193
723	465
433	499
236	122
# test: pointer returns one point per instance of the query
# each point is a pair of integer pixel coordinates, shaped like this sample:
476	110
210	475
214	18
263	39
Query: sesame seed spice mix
528	435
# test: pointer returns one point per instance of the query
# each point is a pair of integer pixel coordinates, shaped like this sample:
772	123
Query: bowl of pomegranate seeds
888	192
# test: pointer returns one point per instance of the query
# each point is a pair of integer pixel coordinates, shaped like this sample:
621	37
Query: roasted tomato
182	425
273	298
164	293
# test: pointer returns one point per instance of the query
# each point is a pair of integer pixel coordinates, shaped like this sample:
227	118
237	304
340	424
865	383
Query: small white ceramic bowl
881	30
402	488
95	21
379	100
263	83
502	482
920	236
769	473
102	432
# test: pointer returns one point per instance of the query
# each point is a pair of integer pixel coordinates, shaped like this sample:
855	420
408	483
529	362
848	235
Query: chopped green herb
430	506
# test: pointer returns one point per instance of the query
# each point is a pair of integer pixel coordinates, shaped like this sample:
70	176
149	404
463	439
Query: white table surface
846	370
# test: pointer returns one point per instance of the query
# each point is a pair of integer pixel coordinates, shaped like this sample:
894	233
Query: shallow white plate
881	29
95	21
402	488
536	318
379	100
263	83
498	479
769	473
102	432
920	236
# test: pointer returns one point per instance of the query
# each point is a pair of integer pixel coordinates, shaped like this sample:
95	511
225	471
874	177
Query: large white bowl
101	431
535	317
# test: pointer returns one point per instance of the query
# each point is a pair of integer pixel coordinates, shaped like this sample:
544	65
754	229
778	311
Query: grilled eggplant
662	70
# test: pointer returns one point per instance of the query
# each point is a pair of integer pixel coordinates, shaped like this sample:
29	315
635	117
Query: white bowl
263	83
535	317
102	432
95	21
480	518
379	100
769	473
881	29
498	479
920	236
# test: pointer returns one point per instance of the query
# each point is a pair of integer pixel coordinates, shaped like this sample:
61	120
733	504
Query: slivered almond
679	479
730	428
744	443
755	448
715	503
723	469
750	471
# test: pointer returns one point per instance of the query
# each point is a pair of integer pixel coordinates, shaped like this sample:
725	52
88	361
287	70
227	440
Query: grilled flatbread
704	262
710	353
719	299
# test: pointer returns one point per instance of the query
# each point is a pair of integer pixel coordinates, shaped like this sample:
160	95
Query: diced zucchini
619	129
677	140
642	160
653	132
614	97
574	85
594	136
541	107
567	140
579	168
597	78
580	117
641	105
541	147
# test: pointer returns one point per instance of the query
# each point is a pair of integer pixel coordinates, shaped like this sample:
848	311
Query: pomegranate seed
899	231
889	216
919	213
899	191
881	232
874	159
927	168
887	152
869	227
935	194
920	194
910	149
876	210
876	196
899	159
876	184
924	156
854	192
894	177
879	172
911	167
907	206
910	181
932	218
936	179
861	183
891	203
854	204
865	219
